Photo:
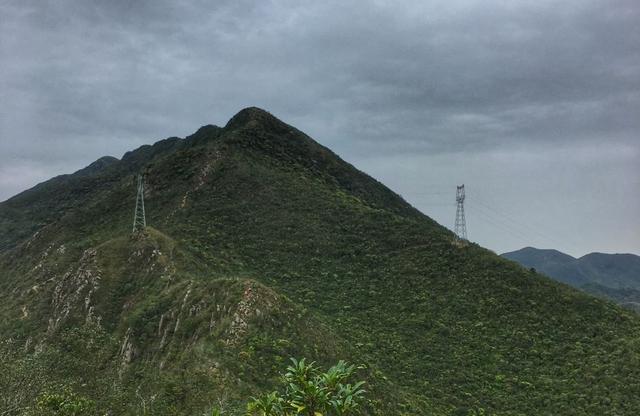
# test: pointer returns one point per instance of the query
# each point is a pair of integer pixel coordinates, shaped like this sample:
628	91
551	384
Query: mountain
262	245
617	271
610	276
629	298
550	262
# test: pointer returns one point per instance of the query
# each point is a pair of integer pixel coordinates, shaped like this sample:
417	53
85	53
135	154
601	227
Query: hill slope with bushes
263	245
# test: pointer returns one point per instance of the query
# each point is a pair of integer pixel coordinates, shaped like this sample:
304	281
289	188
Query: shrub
308	391
66	403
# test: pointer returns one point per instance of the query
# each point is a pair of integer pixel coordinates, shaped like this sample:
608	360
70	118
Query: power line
496	222
522	226
500	220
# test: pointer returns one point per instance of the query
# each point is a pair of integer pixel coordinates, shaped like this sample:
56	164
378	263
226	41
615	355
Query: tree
309	392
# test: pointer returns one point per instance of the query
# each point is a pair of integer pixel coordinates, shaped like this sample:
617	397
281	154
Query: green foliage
66	403
308	391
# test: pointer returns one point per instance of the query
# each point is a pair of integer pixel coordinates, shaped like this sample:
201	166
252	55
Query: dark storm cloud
81	79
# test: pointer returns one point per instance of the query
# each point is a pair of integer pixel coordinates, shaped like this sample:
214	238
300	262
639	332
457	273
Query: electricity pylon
461	225
139	220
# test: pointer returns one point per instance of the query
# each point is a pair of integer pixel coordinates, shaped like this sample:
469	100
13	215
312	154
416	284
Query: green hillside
264	245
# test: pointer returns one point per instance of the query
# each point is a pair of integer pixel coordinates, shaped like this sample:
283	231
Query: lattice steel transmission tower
461	225
139	220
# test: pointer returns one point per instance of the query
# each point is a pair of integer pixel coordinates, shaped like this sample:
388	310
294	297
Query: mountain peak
97	166
546	253
254	117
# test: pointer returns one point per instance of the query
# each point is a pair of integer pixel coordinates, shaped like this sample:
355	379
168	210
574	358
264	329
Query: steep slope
444	328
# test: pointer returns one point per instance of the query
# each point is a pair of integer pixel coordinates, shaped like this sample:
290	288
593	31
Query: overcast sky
534	106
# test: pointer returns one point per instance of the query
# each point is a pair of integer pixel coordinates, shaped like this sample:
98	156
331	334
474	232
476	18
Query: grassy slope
452	327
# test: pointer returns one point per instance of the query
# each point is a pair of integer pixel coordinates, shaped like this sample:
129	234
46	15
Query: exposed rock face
255	300
77	284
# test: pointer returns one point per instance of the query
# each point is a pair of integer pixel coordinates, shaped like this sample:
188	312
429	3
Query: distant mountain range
613	276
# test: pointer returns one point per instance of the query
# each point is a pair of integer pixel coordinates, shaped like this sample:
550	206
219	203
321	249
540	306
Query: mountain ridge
591	268
350	269
610	276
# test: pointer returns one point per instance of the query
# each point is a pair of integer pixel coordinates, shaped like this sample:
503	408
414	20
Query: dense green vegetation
265	245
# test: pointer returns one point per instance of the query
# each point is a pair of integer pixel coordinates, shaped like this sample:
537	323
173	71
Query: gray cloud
413	83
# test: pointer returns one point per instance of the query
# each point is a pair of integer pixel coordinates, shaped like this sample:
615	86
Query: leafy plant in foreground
308	391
